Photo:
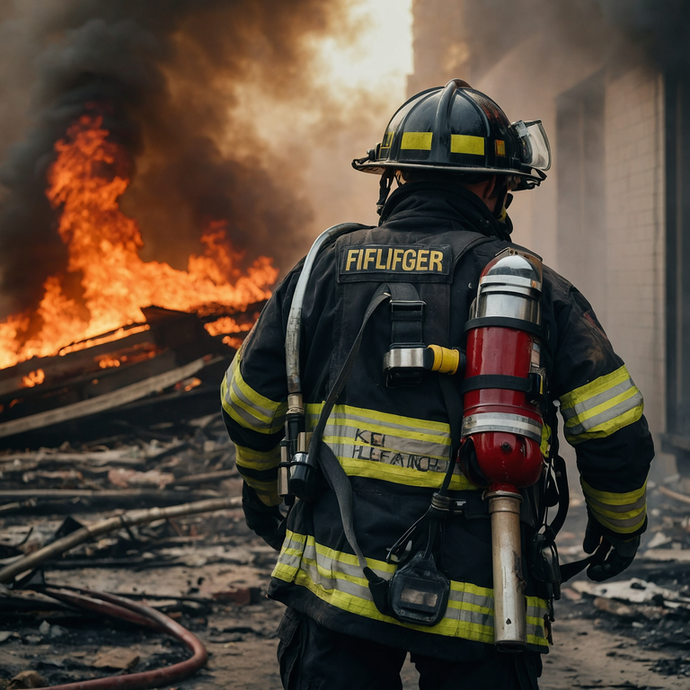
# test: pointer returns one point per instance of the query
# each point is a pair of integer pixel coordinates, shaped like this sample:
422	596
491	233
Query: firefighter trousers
314	658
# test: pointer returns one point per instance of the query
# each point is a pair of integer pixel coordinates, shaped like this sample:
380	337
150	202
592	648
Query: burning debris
103	244
72	345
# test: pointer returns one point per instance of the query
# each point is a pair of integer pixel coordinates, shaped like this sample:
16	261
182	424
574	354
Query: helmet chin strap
384	188
503	201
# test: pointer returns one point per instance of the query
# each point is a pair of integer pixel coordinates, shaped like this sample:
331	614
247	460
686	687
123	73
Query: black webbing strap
438	508
332	469
569	570
381	294
453	402
507	322
407	315
483	381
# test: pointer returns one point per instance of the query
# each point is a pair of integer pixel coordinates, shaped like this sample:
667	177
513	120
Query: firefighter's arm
602	413
252	427
255	424
253	397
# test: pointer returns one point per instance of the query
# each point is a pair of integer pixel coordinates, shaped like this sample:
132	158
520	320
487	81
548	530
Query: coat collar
442	201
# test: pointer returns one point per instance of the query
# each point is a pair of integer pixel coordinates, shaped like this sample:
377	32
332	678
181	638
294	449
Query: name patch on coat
396	262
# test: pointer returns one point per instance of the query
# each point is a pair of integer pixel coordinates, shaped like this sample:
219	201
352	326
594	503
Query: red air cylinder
502	423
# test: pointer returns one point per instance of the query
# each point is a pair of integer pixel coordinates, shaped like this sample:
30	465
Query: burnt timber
172	364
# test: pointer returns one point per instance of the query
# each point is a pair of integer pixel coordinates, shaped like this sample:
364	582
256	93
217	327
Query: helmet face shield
535	151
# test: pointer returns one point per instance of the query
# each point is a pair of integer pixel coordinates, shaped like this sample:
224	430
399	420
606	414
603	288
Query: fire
84	182
226	324
107	361
34	378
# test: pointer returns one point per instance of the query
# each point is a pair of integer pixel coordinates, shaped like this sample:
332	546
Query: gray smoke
161	73
661	27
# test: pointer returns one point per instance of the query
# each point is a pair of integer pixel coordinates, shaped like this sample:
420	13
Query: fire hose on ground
119	607
140	614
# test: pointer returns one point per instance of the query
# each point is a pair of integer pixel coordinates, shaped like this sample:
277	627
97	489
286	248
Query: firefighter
385	423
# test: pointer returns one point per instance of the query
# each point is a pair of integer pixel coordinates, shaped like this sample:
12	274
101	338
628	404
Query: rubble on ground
649	602
209	573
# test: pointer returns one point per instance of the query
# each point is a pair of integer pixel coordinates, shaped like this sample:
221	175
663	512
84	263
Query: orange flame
34	378
107	361
103	245
226	324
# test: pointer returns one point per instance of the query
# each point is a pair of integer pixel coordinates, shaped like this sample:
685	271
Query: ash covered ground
209	573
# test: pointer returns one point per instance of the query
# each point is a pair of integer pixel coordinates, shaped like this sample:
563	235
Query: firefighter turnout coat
394	443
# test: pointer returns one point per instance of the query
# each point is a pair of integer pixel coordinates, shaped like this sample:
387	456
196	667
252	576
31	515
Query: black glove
613	555
266	521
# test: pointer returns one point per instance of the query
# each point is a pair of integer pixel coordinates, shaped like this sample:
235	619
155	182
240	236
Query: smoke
168	77
660	27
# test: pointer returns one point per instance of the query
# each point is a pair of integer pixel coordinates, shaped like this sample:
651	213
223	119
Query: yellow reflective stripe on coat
256	459
393	448
602	407
623	513
336	578
247	407
246	458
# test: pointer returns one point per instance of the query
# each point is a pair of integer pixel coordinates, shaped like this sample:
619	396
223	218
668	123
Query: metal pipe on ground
135	517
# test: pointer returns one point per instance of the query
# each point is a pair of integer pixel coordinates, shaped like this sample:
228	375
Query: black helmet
460	130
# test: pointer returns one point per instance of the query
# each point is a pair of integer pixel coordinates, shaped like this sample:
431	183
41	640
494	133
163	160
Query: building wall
622	272
634	181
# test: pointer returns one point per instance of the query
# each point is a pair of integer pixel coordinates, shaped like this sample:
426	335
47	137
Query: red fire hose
124	609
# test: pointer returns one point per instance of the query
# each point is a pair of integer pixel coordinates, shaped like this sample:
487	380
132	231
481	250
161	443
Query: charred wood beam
61	501
60	546
103	402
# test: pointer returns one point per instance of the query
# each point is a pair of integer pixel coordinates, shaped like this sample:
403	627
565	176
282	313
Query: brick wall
634	182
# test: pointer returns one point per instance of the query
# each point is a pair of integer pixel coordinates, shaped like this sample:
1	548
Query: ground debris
210	573
635	591
116	659
27	679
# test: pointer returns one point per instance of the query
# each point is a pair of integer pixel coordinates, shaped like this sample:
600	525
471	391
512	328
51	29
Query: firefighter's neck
486	191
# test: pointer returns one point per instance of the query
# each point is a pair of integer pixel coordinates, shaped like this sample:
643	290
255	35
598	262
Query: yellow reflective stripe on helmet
601	407
247	407
416	141
387	140
623	513
336	578
465	143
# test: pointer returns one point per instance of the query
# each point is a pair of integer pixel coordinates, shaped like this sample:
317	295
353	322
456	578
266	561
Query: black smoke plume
163	73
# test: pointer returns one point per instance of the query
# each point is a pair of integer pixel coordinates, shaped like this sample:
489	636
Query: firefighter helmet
458	129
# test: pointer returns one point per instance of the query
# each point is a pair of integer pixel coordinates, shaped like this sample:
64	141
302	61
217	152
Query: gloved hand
266	521
612	556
